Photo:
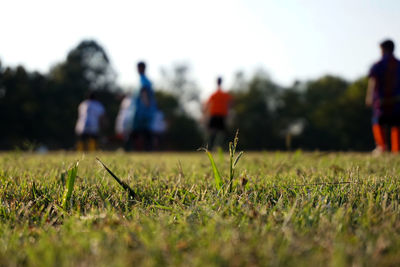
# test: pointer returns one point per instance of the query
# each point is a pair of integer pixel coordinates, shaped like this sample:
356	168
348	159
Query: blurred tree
239	82
334	113
179	99
167	103
21	114
323	119
356	126
255	113
290	112
43	109
178	82
180	124
327	113
87	67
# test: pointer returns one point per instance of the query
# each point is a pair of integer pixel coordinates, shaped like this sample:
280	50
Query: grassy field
284	209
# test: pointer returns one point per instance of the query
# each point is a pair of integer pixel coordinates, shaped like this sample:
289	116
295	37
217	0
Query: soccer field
283	209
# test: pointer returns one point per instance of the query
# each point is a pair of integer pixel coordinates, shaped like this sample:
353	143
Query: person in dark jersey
383	95
217	108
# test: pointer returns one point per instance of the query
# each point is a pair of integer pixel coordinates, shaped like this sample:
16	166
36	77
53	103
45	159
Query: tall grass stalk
69	186
124	185
233	163
219	182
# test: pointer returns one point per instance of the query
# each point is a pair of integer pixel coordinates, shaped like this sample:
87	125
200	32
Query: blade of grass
237	158
217	176
69	186
119	181
34	190
231	169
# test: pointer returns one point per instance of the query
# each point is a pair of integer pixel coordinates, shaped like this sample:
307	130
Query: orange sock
394	136
379	136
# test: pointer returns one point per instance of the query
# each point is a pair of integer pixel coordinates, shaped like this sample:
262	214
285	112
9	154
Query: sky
289	39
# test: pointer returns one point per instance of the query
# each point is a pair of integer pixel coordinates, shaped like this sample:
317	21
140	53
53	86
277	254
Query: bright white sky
290	39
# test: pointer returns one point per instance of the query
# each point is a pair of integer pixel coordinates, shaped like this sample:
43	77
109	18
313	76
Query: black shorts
389	120
217	123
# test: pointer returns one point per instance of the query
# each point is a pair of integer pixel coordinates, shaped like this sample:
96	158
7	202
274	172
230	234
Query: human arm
370	91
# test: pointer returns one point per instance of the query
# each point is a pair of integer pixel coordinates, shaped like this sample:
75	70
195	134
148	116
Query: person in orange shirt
217	109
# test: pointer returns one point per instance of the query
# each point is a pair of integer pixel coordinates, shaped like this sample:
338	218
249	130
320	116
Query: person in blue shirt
145	110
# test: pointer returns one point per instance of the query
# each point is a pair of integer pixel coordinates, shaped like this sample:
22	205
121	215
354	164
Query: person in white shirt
90	114
124	120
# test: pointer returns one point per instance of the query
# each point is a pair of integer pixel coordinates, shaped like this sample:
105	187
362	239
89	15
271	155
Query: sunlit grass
284	209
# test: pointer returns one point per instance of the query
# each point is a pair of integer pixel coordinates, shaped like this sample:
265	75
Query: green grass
284	209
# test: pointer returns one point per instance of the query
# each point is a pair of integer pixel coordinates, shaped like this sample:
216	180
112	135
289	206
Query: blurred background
296	69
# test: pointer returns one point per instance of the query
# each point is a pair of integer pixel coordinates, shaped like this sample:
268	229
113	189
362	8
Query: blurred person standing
90	116
383	95
158	128
216	109
145	110
124	120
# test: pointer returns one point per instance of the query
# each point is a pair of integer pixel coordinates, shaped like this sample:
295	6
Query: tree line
327	113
